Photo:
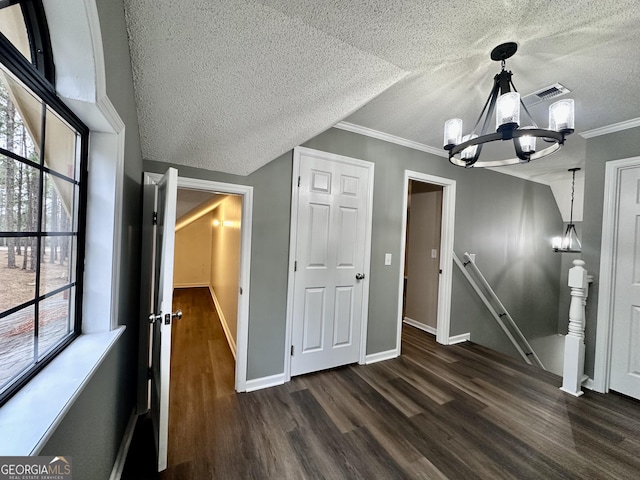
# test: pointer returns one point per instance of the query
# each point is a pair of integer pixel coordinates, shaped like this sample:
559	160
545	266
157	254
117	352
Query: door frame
446	252
244	280
297	153
608	256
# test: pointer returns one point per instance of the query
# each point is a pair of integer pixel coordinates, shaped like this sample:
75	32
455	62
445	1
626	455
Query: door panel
314	319
625	356
165	207
332	211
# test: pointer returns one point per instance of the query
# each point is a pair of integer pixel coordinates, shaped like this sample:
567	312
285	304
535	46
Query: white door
333	221
162	287
625	351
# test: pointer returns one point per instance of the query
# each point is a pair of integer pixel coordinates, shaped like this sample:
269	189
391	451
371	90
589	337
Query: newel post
573	371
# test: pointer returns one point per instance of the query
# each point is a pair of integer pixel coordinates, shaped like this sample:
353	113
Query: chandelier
570	242
504	104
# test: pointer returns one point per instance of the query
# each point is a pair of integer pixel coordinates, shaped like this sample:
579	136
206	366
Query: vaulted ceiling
232	84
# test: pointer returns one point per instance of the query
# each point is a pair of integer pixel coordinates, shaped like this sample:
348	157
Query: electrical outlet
387	259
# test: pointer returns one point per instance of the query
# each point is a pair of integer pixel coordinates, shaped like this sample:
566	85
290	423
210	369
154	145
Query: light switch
387	259
434	253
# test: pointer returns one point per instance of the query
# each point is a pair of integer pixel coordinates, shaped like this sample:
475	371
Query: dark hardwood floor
456	412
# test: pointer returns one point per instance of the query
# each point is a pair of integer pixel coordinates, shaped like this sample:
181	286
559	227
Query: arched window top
23	24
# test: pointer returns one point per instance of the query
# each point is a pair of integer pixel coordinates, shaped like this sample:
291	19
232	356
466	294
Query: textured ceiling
230	85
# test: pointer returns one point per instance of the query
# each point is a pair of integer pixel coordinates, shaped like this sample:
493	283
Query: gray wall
506	221
92	430
615	146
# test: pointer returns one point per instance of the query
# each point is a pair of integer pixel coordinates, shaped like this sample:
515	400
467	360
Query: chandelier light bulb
561	116
527	144
452	132
508	110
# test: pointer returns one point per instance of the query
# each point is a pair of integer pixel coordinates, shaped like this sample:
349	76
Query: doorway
422	256
156	235
207	251
433	202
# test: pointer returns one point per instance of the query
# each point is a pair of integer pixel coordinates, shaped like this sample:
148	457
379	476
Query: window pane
16	344
58	204
54	322
13	27
21	114
19	185
60	146
17	271
55	268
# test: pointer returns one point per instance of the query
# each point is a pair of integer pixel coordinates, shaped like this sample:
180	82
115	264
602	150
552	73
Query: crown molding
386	137
615	127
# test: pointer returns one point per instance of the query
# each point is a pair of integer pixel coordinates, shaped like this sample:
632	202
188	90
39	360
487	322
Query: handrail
527	352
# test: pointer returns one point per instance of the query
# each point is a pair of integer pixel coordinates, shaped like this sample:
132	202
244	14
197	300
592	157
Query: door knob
177	314
359	276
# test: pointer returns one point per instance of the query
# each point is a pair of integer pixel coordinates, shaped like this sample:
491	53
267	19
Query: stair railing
497	309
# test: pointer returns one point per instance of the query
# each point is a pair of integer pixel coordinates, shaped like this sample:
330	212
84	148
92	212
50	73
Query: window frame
39	78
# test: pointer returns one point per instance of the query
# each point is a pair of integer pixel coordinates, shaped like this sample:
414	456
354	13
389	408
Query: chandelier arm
509	161
556	138
490	99
493	97
526	110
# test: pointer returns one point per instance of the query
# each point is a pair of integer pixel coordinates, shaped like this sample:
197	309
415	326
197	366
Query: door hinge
240	290
149	373
295	266
155	218
298	181
292	350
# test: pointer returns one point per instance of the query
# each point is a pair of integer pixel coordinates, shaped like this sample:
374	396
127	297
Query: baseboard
265	382
190	285
121	458
464	337
223	322
420	326
380	356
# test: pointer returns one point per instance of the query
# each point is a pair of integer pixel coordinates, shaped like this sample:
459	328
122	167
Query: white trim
386	137
588	384
463	337
614	127
265	382
32	415
191	285
381	356
446	252
420	326
121	458
297	152
602	364
223	322
242	342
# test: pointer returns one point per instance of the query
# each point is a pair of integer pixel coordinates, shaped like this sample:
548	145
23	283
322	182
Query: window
43	155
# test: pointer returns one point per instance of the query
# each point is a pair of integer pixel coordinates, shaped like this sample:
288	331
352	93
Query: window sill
29	418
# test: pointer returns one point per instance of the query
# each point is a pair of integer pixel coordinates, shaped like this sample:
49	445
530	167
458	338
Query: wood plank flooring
435	412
